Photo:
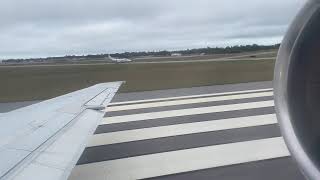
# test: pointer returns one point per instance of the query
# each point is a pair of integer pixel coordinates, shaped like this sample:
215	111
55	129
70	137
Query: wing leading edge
45	140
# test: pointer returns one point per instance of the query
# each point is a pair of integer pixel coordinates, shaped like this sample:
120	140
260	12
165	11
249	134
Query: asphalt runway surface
6	107
227	132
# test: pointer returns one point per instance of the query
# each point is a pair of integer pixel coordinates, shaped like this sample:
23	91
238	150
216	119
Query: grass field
35	83
244	55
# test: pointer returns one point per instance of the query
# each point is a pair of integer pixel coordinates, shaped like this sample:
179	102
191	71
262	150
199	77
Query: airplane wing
45	140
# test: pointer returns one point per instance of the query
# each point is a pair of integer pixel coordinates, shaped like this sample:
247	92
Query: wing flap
58	158
28	132
99	99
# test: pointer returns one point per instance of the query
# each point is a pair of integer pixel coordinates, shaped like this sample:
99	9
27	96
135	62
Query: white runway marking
190	96
188	101
185	112
183	160
181	129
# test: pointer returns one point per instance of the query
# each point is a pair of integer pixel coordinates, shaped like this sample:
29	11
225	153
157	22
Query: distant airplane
119	60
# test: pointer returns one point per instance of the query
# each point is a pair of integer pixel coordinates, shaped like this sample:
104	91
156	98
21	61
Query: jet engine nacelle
297	89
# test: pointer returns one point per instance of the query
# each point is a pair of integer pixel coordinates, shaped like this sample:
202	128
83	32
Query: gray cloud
34	28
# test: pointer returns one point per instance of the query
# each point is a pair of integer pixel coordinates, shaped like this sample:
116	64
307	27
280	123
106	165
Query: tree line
207	51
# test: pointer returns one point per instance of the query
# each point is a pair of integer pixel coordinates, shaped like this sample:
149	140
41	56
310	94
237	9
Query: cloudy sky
40	28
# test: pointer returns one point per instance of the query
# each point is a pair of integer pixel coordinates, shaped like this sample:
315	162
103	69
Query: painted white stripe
183	160
181	129
190	96
185	112
188	101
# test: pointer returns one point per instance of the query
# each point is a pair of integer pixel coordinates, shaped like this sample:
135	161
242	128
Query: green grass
34	83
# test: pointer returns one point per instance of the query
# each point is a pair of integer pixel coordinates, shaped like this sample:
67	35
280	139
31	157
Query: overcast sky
40	28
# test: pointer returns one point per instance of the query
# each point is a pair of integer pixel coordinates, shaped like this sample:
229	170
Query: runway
227	132
154	61
135	62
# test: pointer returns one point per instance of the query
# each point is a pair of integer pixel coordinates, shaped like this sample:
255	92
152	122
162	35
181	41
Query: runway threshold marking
187	97
188	101
185	112
180	129
173	162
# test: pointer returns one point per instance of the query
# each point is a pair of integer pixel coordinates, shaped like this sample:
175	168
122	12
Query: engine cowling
297	89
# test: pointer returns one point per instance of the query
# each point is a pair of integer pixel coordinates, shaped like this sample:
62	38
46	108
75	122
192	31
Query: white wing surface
45	140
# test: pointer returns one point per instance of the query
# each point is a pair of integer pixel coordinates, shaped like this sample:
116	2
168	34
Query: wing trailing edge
45	140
